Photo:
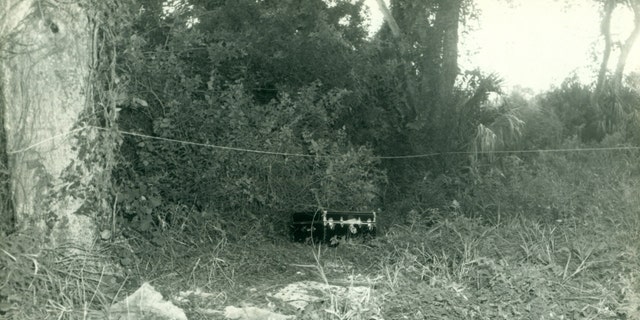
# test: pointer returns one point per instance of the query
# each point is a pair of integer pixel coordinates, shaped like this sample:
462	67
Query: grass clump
561	243
65	283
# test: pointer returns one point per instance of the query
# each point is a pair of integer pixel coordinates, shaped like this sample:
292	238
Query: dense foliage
235	113
220	82
286	77
241	78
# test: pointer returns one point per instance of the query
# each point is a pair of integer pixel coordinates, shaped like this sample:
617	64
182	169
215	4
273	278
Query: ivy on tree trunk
48	93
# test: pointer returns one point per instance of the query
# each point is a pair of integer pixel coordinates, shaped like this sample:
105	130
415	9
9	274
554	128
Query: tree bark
430	30
447	24
46	87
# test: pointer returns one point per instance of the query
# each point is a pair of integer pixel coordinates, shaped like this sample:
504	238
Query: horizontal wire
286	154
507	151
217	147
46	140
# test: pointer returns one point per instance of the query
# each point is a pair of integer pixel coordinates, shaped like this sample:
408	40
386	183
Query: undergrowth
564	245
65	283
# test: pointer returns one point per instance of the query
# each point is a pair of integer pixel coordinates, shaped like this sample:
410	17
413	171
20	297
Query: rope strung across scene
285	154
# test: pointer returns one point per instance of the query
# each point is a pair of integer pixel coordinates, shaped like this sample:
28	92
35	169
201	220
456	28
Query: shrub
332	174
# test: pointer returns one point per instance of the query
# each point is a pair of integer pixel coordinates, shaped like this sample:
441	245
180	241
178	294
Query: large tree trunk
428	32
447	25
45	72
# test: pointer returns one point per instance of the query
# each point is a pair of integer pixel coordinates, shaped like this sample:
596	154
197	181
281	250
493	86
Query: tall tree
58	165
608	9
428	34
605	29
627	46
423	105
605	99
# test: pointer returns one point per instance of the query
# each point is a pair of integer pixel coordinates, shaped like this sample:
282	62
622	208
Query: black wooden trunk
332	226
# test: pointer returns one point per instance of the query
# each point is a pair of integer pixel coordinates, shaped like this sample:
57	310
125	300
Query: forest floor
585	264
585	267
520	270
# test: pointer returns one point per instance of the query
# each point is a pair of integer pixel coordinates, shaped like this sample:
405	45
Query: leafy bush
592	118
209	175
542	128
545	186
571	102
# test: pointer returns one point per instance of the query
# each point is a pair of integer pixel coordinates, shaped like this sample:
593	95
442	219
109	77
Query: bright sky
538	43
